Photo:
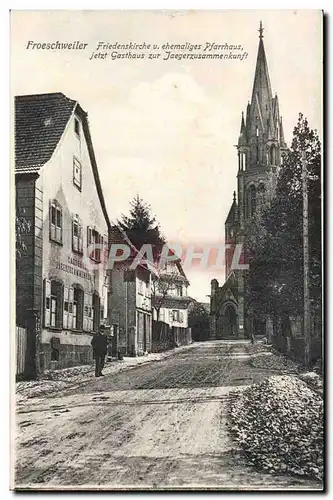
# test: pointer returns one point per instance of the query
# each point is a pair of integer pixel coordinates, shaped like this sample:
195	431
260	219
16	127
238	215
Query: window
77	173
77	126
273	155
251	201
77	308
176	315
179	289
88	312
77	235
141	287
55	222
261	196
95	244
257	145
147	289
53	302
68	307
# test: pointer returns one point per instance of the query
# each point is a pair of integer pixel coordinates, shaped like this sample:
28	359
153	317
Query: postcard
168	185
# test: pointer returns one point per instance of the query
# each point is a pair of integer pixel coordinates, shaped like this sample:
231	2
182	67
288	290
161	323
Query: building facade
260	148
130	305
170	297
170	302
61	280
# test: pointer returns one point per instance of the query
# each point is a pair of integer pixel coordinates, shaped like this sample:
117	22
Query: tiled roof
40	121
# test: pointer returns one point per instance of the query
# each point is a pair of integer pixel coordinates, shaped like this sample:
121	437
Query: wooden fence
21	351
164	337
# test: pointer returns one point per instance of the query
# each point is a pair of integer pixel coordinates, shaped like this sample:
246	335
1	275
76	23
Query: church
260	148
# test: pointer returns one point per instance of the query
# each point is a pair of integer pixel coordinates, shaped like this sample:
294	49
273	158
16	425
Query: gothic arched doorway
230	321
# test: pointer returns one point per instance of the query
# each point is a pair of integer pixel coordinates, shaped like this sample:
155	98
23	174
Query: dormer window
77	127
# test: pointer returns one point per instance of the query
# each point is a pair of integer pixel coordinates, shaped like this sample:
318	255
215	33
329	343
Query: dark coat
99	343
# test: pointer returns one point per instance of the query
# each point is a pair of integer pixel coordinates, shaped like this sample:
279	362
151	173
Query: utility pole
306	319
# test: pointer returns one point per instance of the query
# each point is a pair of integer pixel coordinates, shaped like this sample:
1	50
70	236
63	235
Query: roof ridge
44	94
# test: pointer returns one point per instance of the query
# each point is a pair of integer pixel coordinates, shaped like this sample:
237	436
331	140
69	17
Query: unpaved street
160	425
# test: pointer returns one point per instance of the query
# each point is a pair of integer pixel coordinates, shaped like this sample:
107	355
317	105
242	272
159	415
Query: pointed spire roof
232	215
242	136
262	91
282	140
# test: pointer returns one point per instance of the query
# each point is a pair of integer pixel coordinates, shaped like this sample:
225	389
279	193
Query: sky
167	129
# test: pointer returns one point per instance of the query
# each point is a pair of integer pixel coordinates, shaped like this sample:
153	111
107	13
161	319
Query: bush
279	426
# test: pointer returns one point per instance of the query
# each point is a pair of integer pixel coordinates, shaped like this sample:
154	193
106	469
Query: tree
162	284
141	226
275	280
198	320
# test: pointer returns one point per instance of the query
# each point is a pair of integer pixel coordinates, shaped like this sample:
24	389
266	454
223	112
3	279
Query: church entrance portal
230	322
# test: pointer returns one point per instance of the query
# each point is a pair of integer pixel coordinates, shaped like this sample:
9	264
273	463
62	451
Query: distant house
61	280
170	299
170	303
130	304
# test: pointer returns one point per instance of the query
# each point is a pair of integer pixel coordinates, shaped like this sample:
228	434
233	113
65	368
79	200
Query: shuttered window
77	234
88	313
95	244
55	221
53	303
78	307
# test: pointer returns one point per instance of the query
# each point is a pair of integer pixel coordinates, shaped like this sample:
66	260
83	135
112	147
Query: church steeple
262	91
261	133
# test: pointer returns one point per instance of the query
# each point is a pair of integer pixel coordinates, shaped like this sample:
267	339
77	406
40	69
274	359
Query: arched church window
257	144
261	195
273	155
251	201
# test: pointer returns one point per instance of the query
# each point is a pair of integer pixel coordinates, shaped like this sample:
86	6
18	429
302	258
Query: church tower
260	148
260	144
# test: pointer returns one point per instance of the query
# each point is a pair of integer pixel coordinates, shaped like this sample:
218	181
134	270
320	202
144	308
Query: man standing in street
99	343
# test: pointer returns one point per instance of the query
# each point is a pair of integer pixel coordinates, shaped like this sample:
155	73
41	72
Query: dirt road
162	425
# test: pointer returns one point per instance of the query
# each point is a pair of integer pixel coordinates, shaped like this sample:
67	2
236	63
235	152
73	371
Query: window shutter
70	307
59	225
65	307
89	241
101	251
80	237
90	318
47	302
73	237
85	312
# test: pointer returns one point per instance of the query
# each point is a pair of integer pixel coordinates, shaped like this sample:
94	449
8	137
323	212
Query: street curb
122	367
